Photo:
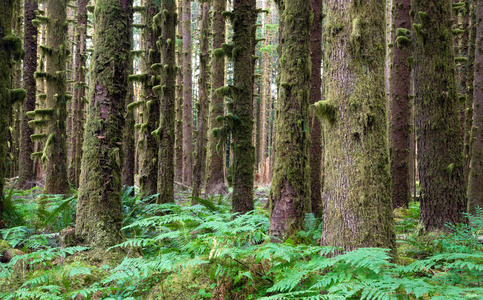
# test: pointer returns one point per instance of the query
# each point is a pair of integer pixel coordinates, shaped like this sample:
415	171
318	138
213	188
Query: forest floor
179	251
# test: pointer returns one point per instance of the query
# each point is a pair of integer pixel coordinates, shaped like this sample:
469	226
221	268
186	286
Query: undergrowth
206	252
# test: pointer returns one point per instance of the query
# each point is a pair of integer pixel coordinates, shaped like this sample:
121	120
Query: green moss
17	95
403	41
142	78
228	49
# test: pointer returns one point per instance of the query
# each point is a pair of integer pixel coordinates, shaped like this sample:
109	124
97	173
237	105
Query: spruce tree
440	149
357	210
99	215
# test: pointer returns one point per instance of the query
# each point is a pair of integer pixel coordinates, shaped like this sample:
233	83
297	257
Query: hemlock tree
475	179
26	171
99	215
10	50
399	105
165	132
243	17
215	180
315	96
53	118
199	166
357	210
187	94
440	150
290	191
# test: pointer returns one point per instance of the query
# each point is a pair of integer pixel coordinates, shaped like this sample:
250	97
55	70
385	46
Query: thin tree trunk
187	95
27	174
178	147
165	132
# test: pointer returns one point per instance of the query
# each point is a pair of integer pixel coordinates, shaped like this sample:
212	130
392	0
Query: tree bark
187	95
165	132
178	147
99	215
27	174
199	167
475	179
440	149
244	16
357	210
399	107
290	191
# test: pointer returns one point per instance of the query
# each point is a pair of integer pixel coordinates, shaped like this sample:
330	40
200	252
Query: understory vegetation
179	251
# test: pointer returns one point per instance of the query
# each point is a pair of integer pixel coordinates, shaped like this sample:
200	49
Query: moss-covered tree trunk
128	139
187	95
80	99
244	16
165	132
201	134
315	96
178	144
27	174
440	149
6	47
290	192
399	107
99	215
475	179
469	86
54	154
148	177
215	180
357	210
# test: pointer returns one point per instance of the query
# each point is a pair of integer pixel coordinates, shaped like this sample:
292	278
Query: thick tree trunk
440	149
187	95
357	210
99	215
215	179
399	107
290	192
475	179
148	177
27	174
199	167
165	132
244	19
55	151
315	96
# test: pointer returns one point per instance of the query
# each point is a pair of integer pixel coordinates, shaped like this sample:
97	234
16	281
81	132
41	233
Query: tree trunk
357	210
244	19
315	96
215	180
27	174
99	215
187	95
128	140
148	177
199	167
475	179
290	192
440	149
55	152
165	132
470	88
178	146
399	112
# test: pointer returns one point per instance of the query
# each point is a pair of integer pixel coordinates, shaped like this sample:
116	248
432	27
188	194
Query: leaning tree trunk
99	214
27	174
244	17
475	179
165	132
315	96
399	112
187	95
215	179
148	177
440	150
54	155
290	192
199	167
357	210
